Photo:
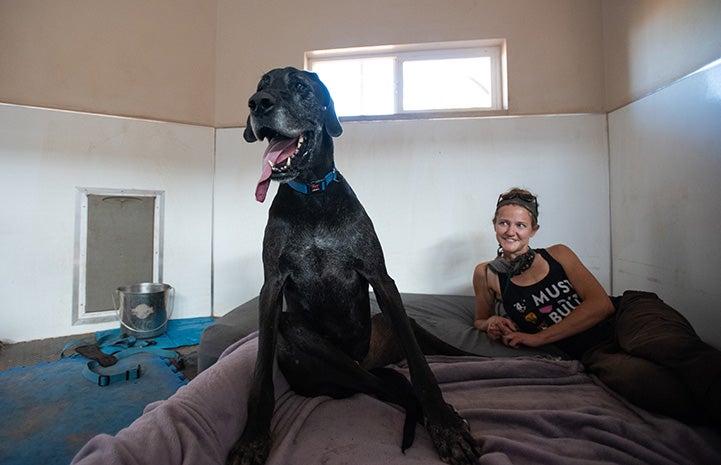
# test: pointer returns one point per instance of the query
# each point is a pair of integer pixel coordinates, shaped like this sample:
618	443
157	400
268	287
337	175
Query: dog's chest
318	243
320	246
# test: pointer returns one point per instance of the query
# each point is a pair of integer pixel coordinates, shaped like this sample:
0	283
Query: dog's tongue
279	149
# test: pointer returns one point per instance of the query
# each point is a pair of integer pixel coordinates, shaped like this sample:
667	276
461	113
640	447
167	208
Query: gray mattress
450	317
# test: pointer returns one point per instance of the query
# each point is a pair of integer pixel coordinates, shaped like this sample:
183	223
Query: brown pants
658	362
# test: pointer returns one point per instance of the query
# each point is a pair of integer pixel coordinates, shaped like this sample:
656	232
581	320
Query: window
448	78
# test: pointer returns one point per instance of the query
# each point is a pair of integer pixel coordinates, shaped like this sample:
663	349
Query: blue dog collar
316	186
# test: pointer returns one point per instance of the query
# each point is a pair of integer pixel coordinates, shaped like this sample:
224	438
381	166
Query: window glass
360	86
447	84
416	78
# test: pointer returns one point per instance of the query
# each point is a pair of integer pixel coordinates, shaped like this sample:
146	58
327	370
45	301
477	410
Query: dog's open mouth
276	162
287	149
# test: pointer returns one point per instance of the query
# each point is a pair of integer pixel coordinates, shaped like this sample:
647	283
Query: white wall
428	185
44	156
239	221
665	153
430	188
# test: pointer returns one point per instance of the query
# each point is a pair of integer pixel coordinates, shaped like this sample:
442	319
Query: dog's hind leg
385	347
313	367
449	432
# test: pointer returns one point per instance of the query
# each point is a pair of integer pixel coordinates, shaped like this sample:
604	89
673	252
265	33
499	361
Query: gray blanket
525	410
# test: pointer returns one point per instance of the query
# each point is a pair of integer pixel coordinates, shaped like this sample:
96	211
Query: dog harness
315	186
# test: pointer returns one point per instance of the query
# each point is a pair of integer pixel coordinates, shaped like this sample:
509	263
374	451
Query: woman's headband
522	199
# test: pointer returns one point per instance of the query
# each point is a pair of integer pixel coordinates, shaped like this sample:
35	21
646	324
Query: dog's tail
400	391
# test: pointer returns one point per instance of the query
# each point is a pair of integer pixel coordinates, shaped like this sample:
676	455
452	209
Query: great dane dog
320	254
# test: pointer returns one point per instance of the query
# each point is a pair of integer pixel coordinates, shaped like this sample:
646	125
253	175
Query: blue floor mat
49	410
181	332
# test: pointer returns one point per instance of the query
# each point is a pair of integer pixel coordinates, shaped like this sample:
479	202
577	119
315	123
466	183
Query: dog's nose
261	102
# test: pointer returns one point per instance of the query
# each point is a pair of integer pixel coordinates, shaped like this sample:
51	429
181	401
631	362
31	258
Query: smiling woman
636	344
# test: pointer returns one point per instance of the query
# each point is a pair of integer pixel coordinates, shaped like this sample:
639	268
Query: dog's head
293	110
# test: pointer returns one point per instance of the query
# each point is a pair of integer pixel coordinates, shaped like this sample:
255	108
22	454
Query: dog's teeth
287	163
272	165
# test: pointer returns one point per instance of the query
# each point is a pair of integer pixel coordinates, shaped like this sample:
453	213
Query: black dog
320	253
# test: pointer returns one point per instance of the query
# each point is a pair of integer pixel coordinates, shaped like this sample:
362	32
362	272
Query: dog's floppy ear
248	134
332	125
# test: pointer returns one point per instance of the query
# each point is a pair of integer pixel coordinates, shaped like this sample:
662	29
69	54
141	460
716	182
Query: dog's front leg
253	446
449	432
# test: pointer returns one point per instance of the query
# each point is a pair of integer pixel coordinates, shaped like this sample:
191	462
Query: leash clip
104	380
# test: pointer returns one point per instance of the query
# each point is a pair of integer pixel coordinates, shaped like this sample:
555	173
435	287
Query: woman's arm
486	319
595	304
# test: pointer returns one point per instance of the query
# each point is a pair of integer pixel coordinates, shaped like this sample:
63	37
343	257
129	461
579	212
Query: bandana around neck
513	267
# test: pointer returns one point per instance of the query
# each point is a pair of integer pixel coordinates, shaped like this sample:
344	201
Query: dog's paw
249	452
454	442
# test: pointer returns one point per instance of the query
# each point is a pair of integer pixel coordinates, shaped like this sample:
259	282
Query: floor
48	350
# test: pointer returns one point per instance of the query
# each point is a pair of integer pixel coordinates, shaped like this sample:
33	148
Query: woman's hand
518	338
496	327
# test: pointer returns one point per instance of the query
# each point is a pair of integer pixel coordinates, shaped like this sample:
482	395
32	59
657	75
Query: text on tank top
538	306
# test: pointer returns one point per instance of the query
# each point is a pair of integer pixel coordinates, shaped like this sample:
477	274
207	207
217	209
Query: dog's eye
263	82
300	86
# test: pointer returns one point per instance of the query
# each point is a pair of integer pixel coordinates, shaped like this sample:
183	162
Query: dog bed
524	407
523	410
450	317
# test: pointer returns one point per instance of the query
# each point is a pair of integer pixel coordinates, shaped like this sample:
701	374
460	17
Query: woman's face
514	228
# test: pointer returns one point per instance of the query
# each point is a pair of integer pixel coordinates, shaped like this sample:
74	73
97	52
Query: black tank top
536	307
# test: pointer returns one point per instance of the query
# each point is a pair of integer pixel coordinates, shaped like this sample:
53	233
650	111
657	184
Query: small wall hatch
118	243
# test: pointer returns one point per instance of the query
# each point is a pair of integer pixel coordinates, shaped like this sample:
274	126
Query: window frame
495	49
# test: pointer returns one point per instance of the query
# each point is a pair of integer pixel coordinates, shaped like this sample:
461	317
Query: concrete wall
149	59
555	59
665	152
197	62
648	44
430	188
45	155
665	195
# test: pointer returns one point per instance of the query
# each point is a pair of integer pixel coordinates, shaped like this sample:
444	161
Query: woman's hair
522	198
